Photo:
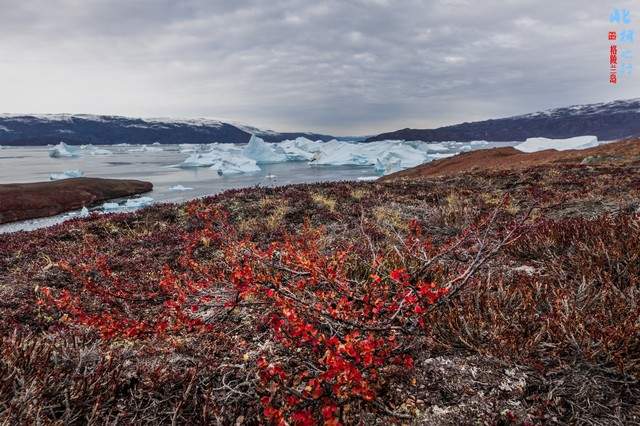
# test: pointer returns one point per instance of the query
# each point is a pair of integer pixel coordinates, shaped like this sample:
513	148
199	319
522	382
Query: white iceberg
188	148
145	148
67	174
478	143
130	204
436	147
138	202
224	162
84	212
62	150
99	151
300	149
179	188
367	178
235	165
263	152
198	160
153	149
386	156
111	206
439	156
540	144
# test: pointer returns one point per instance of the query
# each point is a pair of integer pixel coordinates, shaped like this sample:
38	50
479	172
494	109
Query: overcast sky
341	67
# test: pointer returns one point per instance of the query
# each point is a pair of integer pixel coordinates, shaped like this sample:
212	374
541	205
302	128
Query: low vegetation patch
503	297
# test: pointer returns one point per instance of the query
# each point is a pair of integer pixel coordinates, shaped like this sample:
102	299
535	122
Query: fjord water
33	164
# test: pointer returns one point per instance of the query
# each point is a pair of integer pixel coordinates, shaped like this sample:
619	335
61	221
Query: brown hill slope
509	158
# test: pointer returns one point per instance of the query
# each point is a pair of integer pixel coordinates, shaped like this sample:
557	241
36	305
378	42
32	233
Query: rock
22	201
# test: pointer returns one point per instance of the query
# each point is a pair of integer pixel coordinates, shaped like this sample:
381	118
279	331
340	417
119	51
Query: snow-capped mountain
608	121
77	129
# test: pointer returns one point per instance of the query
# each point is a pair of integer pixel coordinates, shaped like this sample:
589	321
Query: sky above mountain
340	67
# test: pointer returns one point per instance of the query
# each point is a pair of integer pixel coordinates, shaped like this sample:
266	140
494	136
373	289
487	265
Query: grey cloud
360	66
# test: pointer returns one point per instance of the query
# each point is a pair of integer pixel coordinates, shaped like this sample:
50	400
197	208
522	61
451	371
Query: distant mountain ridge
608	121
78	129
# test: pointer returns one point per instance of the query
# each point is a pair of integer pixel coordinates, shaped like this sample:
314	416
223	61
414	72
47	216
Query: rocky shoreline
22	201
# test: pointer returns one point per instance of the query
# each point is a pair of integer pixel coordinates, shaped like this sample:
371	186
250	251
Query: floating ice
145	148
84	212
138	202
98	151
188	148
67	174
367	178
130	204
441	156
540	144
263	152
224	163
386	156
234	165
179	188
62	150
111	206
300	149
435	147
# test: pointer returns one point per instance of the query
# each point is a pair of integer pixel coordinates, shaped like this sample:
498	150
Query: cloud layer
342	67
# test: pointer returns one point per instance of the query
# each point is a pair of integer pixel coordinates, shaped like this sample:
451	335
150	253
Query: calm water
33	164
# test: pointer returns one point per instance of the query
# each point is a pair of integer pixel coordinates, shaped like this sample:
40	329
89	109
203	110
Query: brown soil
626	151
22	201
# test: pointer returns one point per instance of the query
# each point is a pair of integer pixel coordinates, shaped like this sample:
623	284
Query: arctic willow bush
334	318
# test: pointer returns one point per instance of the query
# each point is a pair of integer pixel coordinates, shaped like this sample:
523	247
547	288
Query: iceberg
62	150
300	149
439	156
540	144
145	148
130	204
135	203
110	206
386	156
179	188
67	174
188	148
84	212
196	160
228	162
99	151
153	149
263	152
235	165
